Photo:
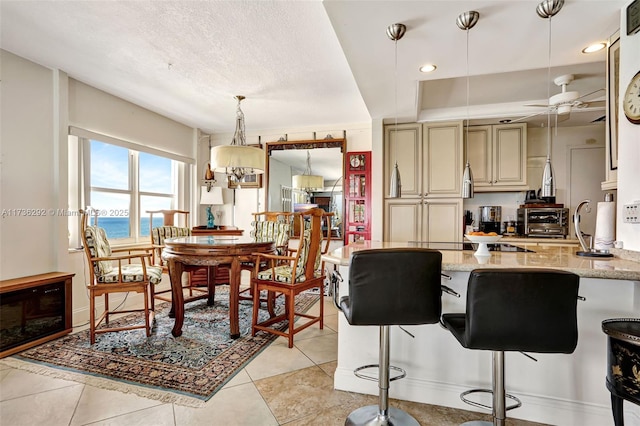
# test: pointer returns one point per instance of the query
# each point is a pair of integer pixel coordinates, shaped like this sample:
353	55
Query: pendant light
466	21
237	159
547	9
395	32
308	181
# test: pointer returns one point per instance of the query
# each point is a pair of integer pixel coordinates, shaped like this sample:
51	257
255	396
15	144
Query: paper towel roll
605	225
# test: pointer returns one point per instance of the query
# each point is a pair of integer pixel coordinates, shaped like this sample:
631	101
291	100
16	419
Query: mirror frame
306	145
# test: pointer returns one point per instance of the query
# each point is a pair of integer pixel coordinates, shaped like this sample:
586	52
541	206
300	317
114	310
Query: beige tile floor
281	386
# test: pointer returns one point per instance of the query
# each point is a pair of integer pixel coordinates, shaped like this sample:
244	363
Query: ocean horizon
118	227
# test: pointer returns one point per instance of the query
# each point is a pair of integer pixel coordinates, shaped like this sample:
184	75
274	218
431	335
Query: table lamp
213	197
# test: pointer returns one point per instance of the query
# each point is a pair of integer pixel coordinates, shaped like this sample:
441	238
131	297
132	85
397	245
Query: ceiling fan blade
589	94
526	117
538	105
603	118
562	117
594	104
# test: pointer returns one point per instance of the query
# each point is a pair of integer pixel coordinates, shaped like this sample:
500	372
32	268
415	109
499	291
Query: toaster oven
543	222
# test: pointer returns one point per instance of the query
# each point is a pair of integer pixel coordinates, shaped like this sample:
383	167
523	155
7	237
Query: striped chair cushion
159	233
98	245
278	232
132	274
283	273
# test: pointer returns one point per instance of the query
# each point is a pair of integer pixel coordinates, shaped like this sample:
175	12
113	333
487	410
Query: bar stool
623	353
526	310
390	287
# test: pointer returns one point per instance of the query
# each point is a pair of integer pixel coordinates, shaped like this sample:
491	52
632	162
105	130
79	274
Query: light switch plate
631	213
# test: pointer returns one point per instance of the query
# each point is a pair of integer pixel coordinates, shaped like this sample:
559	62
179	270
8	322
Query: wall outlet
631	213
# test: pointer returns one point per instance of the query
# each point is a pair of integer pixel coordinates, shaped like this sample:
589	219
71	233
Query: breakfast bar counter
557	389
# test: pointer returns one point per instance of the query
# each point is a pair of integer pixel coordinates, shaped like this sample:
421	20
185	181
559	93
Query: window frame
80	183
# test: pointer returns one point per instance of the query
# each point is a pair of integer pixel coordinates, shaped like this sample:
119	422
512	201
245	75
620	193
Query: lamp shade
213	197
308	181
225	157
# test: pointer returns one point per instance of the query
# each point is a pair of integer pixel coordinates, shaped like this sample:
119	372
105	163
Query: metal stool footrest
517	404
357	373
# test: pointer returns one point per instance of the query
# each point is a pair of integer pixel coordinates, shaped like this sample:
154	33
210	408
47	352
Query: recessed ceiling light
594	47
428	68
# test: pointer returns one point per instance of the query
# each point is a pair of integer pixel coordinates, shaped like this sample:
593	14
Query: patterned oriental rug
186	370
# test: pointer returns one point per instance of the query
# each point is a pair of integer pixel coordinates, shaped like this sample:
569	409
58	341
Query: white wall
628	139
36	112
27	170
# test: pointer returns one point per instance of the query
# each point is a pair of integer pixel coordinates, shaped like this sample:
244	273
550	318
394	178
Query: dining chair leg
322	306
92	316
106	308
146	309
291	303
256	306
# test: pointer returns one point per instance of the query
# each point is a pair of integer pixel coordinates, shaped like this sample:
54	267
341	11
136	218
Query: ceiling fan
562	103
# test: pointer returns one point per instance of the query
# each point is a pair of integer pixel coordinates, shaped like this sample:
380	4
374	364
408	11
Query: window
121	184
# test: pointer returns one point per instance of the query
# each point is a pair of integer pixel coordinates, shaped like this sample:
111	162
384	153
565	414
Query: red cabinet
357	196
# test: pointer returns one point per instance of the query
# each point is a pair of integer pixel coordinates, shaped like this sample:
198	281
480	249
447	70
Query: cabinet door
402	220
479	154
442	159
509	155
442	220
403	146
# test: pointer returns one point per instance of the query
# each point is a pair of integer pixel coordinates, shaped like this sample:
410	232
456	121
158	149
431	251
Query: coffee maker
490	217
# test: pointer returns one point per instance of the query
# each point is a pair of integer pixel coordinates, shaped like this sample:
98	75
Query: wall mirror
286	159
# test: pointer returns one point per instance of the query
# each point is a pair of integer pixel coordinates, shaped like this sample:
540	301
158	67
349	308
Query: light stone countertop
623	266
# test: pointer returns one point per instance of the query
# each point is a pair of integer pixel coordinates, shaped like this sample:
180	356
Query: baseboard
534	407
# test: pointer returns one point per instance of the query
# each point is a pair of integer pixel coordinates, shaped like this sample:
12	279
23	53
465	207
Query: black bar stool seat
391	287
520	309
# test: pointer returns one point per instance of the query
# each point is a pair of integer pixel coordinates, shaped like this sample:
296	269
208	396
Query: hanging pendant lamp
237	159
466	21
395	32
547	9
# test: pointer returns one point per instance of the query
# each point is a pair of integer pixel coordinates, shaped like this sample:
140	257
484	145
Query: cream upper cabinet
429	158
403	146
498	157
442	159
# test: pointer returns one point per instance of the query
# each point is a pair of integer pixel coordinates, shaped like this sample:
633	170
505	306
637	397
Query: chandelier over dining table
237	159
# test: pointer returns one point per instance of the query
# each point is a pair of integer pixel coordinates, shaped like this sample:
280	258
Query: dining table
230	251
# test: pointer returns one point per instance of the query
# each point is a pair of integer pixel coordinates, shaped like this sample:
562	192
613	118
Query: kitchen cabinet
498	157
429	158
432	220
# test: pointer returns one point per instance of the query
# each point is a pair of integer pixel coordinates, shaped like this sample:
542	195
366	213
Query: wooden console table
34	310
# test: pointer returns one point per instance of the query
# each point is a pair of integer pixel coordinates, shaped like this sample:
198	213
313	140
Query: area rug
186	370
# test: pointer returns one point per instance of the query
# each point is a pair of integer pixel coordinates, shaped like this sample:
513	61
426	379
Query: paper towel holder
587	251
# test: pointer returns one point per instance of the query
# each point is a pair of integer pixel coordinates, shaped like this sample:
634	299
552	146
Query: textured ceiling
306	63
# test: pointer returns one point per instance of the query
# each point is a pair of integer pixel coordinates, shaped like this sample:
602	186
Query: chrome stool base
477	423
370	415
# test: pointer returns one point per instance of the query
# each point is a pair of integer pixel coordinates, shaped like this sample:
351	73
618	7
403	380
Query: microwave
550	222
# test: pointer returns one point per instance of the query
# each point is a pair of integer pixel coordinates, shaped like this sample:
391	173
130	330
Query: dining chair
291	274
114	271
200	279
269	226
